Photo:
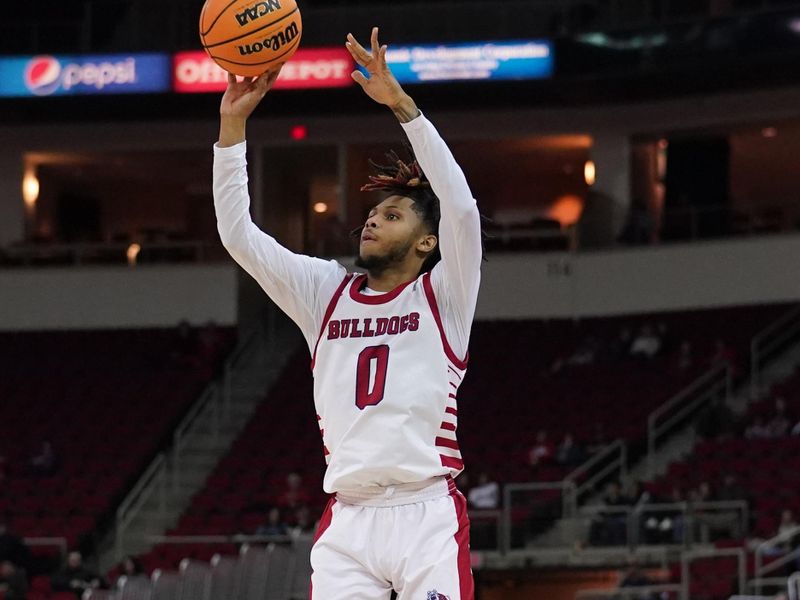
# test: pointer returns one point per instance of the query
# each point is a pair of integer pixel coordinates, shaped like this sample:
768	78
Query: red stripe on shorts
465	582
324	523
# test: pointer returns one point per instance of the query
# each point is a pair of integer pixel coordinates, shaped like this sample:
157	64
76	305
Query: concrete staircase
201	440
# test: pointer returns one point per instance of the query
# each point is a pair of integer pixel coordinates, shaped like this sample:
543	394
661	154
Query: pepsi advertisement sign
26	76
482	61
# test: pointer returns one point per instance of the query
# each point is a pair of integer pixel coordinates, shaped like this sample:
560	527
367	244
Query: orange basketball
250	37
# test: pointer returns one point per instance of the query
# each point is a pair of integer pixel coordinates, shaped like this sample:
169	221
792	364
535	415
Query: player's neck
392	277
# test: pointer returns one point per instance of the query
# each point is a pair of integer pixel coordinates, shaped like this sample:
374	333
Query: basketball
250	37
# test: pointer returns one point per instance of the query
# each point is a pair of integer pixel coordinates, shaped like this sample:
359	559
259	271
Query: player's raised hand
242	97
381	84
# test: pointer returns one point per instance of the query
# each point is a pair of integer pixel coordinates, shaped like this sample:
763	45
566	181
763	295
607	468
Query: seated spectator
44	462
75	577
542	451
635	576
647	344
294	496
780	422
274	525
485	495
610	527
716	420
13	582
621	345
568	453
304	525
130	567
667	525
758	430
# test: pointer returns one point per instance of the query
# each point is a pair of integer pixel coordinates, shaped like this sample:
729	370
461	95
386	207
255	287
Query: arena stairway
163	493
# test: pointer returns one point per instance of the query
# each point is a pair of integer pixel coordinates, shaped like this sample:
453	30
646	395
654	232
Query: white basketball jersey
385	386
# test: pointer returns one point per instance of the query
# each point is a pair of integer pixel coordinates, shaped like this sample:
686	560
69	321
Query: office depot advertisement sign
195	72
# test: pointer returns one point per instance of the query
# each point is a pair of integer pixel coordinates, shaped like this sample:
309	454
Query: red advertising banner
195	72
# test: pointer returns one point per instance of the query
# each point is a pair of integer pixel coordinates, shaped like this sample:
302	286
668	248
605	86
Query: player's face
390	232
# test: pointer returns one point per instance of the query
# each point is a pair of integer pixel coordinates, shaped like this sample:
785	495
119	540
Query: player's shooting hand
242	97
381	85
239	102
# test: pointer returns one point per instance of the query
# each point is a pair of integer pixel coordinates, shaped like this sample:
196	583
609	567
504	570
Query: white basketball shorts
413	538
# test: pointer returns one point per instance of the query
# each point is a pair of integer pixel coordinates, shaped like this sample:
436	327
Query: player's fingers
359	78
360	52
248	80
382	56
231	78
374	42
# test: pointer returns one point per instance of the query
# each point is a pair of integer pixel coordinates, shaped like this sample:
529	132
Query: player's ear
427	243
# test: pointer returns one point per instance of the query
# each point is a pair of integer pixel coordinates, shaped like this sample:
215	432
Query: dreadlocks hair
401	178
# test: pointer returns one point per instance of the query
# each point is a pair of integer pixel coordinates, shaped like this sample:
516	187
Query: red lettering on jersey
382	324
333	330
413	321
367	331
357	333
394	326
403	323
346	328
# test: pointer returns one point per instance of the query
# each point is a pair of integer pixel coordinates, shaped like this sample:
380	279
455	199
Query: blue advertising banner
487	61
26	76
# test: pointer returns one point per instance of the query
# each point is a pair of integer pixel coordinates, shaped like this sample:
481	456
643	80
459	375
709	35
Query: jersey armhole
448	350
328	312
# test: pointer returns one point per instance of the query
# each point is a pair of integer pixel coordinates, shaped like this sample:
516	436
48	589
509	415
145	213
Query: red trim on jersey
465	582
355	292
445	443
453	396
448	426
426	283
331	307
452	463
456	372
451	410
324	523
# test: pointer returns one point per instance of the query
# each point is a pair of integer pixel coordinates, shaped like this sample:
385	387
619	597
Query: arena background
638	161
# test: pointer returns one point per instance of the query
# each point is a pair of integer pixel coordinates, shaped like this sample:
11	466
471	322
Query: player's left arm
457	277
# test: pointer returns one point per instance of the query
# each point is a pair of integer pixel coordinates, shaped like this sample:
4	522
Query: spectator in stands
666	526
304	525
44	462
635	577
568	453
647	343
75	577
294	496
541	453
274	525
621	345
599	438
130	567
13	581
779	423
758	430
13	549
485	495
610	526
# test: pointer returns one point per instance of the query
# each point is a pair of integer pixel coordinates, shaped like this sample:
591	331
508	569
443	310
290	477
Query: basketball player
389	351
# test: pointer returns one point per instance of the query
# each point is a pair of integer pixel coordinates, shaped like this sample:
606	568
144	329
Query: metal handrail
643	590
59	542
762	569
154	477
767	341
689	555
566	502
682	405
622	463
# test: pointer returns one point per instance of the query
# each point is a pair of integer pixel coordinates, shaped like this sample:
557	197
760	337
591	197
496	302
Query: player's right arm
298	284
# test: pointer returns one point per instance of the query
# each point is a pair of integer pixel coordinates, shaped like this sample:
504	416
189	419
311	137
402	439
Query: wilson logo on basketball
273	42
248	15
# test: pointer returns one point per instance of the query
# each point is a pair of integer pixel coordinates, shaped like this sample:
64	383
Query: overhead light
769	132
133	254
320	208
30	188
590	173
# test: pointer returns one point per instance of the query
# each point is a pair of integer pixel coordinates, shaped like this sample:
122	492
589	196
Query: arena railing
692	518
47	542
154	481
78	254
772	547
768	343
715	383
